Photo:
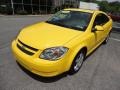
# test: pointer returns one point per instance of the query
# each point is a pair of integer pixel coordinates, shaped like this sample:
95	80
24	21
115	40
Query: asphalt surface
100	71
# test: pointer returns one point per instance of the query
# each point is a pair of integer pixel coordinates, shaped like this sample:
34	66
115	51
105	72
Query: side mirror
98	28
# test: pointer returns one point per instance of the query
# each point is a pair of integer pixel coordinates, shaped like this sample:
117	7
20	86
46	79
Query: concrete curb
2	15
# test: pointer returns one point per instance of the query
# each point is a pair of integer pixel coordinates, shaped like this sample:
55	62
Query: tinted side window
101	19
105	18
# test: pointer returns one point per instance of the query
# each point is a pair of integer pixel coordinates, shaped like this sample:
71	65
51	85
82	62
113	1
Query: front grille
34	49
25	51
25	48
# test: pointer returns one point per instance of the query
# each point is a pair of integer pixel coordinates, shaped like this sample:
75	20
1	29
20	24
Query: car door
107	25
101	20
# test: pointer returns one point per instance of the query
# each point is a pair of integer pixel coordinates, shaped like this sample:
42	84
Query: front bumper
36	65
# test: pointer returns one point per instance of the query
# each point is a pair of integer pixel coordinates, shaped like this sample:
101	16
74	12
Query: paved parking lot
100	71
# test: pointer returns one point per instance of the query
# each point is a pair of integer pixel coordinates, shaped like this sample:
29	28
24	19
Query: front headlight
53	53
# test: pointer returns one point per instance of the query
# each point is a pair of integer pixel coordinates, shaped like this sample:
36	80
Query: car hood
44	35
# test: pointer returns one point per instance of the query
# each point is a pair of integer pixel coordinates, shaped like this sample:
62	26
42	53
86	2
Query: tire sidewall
72	71
106	39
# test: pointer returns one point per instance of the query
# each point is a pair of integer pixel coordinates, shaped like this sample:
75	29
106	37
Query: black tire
106	39
74	68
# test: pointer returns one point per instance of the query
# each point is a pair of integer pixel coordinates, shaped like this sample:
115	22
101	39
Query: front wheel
77	63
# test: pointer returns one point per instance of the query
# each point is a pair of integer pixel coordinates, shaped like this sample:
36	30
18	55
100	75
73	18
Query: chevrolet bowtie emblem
23	47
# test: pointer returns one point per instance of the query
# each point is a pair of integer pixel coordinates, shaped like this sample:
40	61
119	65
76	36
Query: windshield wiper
56	23
63	25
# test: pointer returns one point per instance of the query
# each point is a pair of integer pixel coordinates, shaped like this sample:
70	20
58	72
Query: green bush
5	10
21	12
36	12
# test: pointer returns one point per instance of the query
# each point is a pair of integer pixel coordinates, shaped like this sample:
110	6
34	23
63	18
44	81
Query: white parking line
115	39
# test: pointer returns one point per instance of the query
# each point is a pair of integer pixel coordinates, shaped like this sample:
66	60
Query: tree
104	6
115	6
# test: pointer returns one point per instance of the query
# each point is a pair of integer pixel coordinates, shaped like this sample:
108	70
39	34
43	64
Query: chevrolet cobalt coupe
61	43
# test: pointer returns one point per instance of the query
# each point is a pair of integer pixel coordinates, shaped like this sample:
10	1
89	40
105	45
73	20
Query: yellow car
61	44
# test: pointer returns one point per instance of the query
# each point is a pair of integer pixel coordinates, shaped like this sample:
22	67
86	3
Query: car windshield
76	20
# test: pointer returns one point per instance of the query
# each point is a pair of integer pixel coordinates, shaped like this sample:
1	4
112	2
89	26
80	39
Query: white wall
86	5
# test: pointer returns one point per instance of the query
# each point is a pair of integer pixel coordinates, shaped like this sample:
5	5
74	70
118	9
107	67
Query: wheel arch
73	55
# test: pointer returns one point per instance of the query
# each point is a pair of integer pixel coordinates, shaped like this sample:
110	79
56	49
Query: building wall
34	6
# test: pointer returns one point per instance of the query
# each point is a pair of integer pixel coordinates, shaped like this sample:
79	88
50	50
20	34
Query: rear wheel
107	39
77	63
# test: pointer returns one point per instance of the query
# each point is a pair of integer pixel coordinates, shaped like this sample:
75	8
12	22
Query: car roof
83	10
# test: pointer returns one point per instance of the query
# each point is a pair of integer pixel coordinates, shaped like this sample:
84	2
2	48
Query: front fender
72	55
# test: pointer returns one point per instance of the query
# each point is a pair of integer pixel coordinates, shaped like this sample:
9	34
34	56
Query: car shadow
43	79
